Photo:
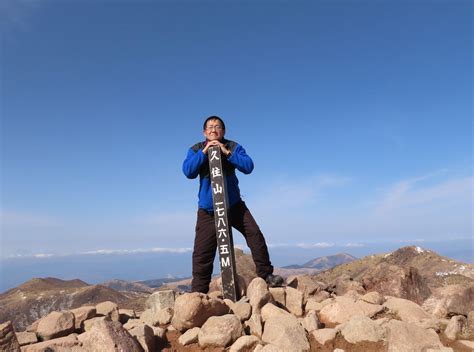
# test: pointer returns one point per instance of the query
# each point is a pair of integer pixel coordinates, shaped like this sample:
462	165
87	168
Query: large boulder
344	308
285	332
220	331
457	328
324	336
406	310
258	294
294	301
161	300
409	337
56	324
451	300
108	309
244	344
107	335
189	337
145	336
8	340
193	309
26	338
360	329
81	314
393	280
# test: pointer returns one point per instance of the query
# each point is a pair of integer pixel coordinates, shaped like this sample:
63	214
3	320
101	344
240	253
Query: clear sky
357	114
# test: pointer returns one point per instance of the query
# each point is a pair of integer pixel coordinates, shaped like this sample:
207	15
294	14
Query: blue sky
357	114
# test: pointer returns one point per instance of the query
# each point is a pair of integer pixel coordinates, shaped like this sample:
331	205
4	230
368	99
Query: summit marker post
225	243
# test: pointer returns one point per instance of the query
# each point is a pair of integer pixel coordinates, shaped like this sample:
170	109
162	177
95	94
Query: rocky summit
352	307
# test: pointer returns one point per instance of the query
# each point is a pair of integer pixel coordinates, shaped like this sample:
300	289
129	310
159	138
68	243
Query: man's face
213	130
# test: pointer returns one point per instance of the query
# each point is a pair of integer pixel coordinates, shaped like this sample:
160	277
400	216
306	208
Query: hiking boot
274	280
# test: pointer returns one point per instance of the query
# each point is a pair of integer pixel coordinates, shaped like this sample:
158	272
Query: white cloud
315	245
354	245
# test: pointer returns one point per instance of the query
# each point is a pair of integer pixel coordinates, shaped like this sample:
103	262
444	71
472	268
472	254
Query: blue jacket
197	163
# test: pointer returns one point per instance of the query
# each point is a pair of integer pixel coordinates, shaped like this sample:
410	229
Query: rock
278	294
440	349
189	337
373	298
220	331
361	328
270	310
109	309
352	294
344	308
345	283
90	322
145	337
312	304
338	350
107	335
164	316
56	324
244	344
254	325
306	284
294	301
406	310
242	309
26	338
324	336
193	309
127	314
149	318
320	296
451	300
159	333
8	339
311	322
133	323
68	343
81	314
258	294
456	328
160	300
284	331
393	280
409	337
216	294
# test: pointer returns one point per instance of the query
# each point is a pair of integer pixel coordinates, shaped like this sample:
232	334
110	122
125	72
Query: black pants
205	244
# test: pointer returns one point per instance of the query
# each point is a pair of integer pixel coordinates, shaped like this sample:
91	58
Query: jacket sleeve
193	162
241	160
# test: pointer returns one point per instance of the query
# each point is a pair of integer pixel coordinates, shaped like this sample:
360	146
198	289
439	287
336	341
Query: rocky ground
357	310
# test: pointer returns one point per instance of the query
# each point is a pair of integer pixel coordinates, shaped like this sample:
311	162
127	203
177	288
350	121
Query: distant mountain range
324	263
37	297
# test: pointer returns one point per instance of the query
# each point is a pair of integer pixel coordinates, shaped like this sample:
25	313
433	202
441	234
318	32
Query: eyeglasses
217	128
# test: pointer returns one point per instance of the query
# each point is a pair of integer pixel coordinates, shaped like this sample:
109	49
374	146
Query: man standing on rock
205	242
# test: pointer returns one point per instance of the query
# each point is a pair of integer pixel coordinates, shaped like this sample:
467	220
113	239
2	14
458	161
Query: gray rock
161	300
90	322
270	310
406	310
220	331
344	308
278	294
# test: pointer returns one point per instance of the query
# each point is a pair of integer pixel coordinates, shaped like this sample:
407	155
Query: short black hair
213	117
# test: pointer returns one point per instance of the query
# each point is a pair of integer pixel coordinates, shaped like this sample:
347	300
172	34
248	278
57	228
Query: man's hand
209	144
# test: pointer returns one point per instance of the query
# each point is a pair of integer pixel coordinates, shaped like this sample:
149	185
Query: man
205	242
